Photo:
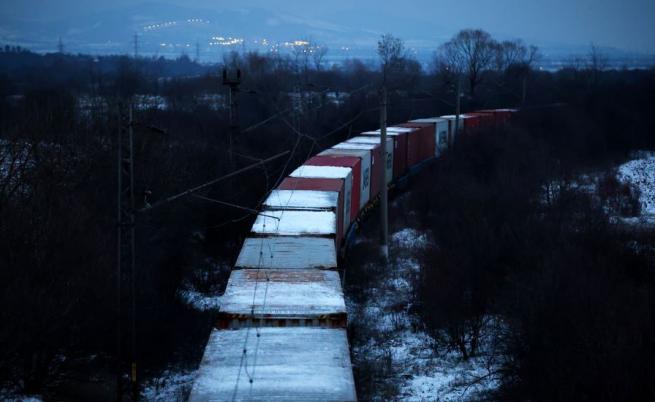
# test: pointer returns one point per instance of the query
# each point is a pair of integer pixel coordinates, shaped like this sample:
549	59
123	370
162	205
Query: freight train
280	334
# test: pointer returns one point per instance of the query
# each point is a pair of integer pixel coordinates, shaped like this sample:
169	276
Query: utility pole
126	246
136	45
384	234
458	109
233	84
60	46
197	52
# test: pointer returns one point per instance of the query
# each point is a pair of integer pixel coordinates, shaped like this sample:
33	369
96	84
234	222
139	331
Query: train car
485	120
423	141
501	116
282	298
295	224
441	133
374	150
283	252
351	162
365	161
307	200
362	139
344	175
275	364
399	136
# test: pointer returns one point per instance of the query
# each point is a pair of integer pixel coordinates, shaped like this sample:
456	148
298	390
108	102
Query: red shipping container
399	148
502	116
376	174
421	145
346	161
485	120
301	183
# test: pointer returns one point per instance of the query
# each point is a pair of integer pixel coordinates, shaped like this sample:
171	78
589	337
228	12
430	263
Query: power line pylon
233	83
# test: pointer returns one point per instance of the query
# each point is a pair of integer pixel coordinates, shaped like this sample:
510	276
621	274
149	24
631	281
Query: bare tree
516	58
391	51
470	53
319	51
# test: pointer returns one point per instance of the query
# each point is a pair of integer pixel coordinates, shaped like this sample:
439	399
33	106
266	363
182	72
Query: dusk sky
624	24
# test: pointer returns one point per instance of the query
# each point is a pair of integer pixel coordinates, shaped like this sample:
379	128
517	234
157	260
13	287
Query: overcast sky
626	24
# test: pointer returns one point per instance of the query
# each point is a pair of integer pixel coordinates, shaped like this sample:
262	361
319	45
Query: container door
366	180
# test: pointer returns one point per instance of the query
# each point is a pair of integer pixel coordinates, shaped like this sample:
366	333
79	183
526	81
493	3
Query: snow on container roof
321	172
283	293
302	199
287	253
452	117
355	146
295	223
428	120
286	364
364	140
389	133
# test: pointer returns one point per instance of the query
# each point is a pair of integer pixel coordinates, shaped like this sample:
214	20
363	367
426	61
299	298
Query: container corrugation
352	162
308	364
285	252
278	298
362	139
365	158
299	183
425	137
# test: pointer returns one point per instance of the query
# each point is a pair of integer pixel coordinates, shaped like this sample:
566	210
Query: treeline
535	268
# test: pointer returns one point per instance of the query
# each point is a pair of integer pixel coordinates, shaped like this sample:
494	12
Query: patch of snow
13	396
641	173
198	300
171	385
410	239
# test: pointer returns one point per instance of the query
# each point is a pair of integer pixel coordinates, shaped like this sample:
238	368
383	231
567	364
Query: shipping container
295	223
501	116
426	147
283	252
486	120
362	139
275	364
441	129
332	172
374	150
282	298
365	158
309	200
351	162
334	185
399	136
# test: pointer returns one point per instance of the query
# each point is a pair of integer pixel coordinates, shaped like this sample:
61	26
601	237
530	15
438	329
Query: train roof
284	364
295	223
321	172
283	293
366	140
302	200
287	253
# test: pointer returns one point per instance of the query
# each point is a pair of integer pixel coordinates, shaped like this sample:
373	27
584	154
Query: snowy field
421	369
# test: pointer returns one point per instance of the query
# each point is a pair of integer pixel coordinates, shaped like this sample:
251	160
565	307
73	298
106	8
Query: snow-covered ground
421	369
640	172
171	385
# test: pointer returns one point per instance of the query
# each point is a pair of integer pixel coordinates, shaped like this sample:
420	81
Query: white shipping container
375	141
284	364
283	252
365	182
331	172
